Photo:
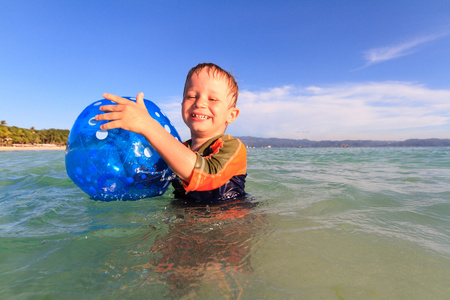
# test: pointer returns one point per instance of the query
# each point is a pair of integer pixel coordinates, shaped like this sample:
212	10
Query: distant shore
32	147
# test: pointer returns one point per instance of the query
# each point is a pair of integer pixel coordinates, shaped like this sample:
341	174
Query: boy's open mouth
200	116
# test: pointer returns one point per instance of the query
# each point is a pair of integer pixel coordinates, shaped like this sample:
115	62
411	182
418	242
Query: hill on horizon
15	135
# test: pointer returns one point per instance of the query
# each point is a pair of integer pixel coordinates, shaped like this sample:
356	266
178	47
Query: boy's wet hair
215	70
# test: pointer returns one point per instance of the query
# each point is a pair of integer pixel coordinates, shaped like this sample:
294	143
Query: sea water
321	223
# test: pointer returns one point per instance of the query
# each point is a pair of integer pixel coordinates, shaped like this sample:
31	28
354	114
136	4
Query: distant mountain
283	143
14	135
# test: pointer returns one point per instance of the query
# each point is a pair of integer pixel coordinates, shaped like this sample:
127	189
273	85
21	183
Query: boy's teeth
200	116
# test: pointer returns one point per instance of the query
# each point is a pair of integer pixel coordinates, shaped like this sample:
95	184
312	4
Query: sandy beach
31	147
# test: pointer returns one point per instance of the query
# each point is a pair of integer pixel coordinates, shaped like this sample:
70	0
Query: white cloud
380	110
381	54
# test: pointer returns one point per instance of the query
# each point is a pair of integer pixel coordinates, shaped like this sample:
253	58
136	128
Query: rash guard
219	172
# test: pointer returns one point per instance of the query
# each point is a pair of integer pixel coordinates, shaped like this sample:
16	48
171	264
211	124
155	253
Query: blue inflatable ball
116	164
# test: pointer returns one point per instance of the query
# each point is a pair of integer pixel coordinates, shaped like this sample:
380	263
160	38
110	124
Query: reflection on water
206	246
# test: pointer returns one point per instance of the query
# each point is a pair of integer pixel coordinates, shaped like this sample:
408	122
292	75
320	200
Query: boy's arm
133	116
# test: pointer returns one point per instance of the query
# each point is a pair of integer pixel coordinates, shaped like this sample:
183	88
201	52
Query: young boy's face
207	107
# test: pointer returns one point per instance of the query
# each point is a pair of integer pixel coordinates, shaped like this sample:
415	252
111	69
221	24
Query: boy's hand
129	115
133	116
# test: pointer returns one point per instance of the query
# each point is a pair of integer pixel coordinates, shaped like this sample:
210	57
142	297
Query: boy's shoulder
226	138
228	142
225	141
220	141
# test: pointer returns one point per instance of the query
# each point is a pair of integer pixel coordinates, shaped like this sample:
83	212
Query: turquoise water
323	223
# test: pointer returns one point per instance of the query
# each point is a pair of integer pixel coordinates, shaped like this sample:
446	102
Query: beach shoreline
32	147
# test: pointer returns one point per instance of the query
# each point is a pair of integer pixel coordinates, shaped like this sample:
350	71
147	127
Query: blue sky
306	69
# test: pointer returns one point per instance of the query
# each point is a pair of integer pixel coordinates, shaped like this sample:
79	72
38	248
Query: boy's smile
199	117
206	105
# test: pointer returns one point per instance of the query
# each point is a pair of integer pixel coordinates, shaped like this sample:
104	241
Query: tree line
10	135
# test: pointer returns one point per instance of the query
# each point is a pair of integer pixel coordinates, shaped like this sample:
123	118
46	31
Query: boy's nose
200	102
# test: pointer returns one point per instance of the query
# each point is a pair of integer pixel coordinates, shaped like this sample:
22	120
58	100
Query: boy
211	166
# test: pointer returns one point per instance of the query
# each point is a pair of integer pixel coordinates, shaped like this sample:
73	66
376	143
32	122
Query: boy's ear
234	113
